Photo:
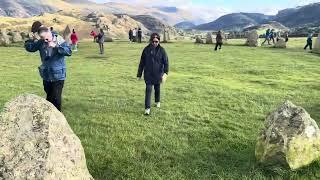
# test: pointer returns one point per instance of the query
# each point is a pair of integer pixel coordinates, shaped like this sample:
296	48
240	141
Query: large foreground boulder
36	142
281	43
290	138
316	48
252	39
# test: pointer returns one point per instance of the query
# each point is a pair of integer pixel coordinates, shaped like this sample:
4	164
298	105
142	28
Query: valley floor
213	106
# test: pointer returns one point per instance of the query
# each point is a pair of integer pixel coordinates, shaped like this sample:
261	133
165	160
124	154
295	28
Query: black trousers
267	39
139	39
101	48
54	92
308	44
149	92
218	44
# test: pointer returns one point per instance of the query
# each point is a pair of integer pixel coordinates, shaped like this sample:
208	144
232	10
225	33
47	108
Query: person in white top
134	34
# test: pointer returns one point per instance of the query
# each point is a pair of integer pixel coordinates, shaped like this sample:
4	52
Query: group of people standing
53	49
99	38
273	36
135	35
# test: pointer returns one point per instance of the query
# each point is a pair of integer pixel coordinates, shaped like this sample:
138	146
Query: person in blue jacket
155	65
309	42
53	68
267	37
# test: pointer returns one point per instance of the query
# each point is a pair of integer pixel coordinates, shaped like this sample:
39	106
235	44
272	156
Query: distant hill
185	25
300	17
235	22
29	8
24	8
308	15
167	9
270	25
153	24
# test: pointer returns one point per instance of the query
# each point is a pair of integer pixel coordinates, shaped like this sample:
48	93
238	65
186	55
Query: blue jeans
149	92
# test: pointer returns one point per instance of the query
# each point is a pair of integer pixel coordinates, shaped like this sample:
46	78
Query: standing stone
252	39
290	138
209	38
316	47
36	142
67	34
199	40
4	38
24	35
165	36
281	43
16	37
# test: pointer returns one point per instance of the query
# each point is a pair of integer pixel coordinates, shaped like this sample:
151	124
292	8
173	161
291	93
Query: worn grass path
213	106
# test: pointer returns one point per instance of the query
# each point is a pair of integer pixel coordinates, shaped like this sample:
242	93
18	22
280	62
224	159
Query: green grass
213	107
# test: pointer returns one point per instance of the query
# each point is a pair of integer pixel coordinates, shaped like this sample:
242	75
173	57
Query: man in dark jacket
155	65
53	67
309	42
130	35
219	39
139	35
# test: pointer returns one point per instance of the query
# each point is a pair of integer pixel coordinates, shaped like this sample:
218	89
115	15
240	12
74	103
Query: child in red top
94	35
74	40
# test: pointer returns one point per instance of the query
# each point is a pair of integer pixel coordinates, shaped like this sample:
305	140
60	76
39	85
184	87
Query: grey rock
4	38
36	142
281	43
316	47
16	37
290	138
199	40
252	39
209	38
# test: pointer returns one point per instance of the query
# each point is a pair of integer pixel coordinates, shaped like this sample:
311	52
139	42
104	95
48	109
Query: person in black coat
130	35
139	35
155	65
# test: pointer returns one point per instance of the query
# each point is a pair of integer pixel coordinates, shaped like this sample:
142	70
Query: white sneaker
147	112
158	104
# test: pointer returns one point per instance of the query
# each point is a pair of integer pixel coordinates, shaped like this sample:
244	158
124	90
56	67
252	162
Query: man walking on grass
52	53
219	40
155	65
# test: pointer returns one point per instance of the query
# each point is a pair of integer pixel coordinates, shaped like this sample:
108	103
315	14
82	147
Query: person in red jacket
94	35
74	40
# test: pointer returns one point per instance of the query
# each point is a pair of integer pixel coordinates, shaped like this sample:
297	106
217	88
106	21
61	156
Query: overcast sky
213	8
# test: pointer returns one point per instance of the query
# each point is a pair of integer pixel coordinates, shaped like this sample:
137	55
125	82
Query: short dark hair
36	26
154	35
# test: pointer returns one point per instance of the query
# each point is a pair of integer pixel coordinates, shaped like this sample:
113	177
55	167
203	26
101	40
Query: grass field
213	107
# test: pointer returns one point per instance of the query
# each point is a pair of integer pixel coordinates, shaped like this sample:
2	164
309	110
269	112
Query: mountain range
28	8
303	16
